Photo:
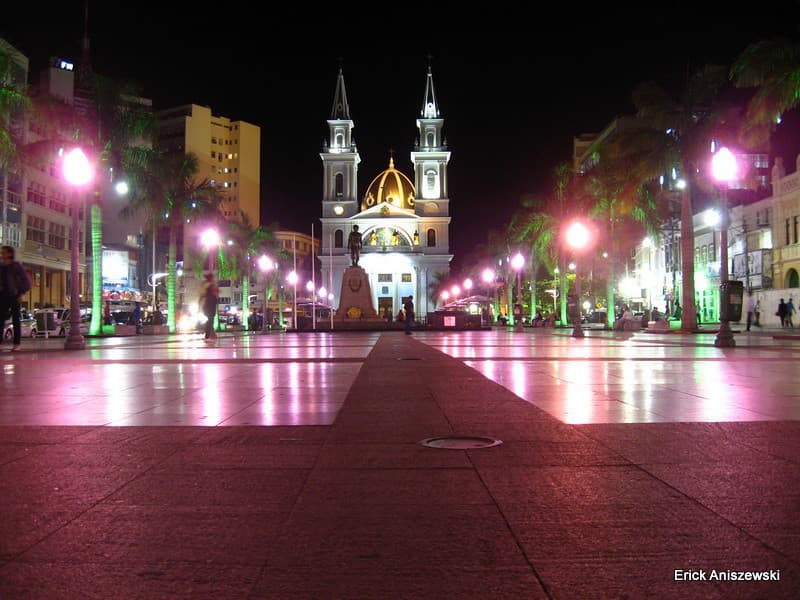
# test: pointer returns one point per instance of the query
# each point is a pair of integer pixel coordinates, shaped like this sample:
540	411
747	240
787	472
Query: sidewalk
358	509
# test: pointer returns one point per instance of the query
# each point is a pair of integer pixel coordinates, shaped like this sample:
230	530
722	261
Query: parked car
58	321
28	324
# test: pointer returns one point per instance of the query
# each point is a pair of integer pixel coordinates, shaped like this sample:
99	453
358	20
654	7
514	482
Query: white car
58	321
28	328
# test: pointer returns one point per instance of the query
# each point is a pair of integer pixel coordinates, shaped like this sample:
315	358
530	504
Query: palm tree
617	202
773	66
675	133
13	102
536	230
247	243
165	185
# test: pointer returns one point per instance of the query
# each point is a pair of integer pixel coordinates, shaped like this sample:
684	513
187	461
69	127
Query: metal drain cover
409	358
461	442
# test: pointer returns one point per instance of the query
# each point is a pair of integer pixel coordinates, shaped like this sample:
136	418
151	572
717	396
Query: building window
338	238
406	278
212	183
795	228
339	185
36	194
787	232
58	236
235	169
430	139
339	140
213	140
36	229
431	238
384	278
431	179
213	154
58	203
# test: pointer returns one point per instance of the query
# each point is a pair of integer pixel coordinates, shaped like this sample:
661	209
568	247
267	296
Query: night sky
514	87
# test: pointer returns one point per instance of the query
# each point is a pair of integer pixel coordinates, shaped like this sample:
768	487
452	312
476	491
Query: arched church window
430	139
339	140
430	177
431	238
338	238
339	185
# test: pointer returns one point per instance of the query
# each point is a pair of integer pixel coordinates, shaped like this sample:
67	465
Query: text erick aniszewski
726	575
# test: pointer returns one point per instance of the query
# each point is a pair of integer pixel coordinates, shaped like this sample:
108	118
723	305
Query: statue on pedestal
354	244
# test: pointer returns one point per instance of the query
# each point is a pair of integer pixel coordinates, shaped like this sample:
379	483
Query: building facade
404	225
229	158
36	204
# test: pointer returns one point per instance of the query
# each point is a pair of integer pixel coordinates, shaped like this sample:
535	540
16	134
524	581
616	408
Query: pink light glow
455	290
577	235
292	278
487	275
517	262
264	263
468	284
209	238
77	169
445	295
723	165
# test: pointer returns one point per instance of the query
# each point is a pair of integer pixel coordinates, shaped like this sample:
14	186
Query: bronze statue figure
354	243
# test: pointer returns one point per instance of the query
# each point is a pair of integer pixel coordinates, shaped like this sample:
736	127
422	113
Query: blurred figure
209	298
14	284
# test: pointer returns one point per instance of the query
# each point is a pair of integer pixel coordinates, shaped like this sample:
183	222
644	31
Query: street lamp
517	262
456	291
487	276
78	172
468	284
578	238
724	170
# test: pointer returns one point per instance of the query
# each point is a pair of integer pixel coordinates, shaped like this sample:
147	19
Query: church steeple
430	109
430	156
340	109
340	158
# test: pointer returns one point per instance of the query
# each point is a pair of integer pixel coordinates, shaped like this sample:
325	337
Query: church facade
404	224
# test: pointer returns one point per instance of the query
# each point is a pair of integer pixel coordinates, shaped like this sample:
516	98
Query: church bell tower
340	159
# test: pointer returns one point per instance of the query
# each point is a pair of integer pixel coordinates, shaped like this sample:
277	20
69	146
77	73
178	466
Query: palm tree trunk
96	222
171	283
688	314
246	292
564	284
611	304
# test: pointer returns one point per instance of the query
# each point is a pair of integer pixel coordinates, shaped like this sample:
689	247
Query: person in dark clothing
14	284
781	314
209	295
409	308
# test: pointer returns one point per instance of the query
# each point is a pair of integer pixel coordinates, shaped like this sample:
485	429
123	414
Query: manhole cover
461	442
409	358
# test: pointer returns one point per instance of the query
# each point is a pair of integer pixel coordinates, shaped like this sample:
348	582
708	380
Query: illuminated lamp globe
77	169
264	263
292	278
455	290
577	236
445	295
723	165
517	262
121	187
323	292
487	275
468	284
310	286
209	238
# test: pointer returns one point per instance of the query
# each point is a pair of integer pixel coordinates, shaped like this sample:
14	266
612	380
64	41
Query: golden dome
390	186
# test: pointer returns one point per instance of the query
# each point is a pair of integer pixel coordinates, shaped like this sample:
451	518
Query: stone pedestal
355	304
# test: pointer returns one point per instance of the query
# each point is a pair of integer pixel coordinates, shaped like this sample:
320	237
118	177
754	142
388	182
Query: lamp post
517	262
723	169
292	279
578	238
265	264
78	172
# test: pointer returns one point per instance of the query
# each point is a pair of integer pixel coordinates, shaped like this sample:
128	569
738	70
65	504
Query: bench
660	325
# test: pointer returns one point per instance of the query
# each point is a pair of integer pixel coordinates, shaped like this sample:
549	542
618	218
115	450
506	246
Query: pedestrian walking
14	284
409	308
751	309
781	313
209	297
789	313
